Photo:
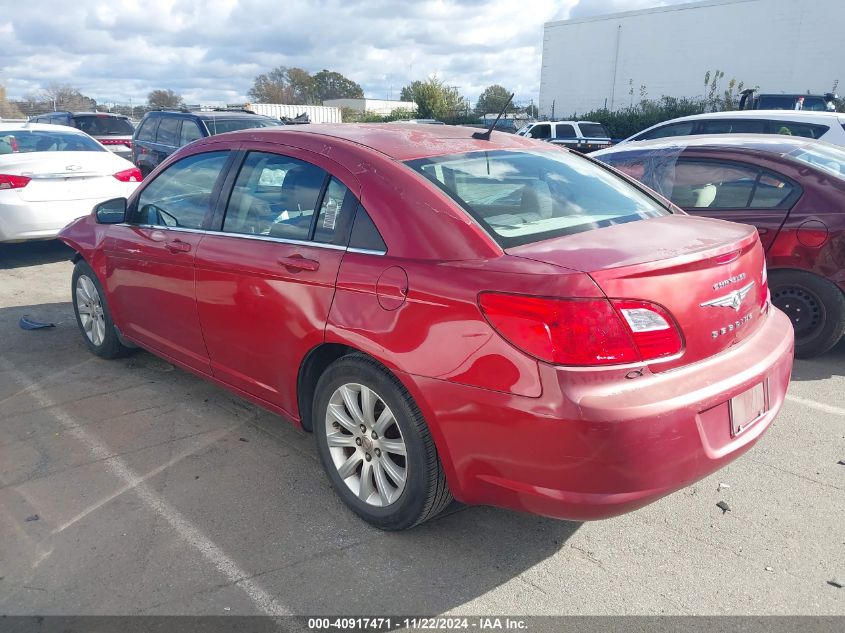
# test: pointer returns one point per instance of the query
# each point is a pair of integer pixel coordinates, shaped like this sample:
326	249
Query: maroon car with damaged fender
491	319
791	189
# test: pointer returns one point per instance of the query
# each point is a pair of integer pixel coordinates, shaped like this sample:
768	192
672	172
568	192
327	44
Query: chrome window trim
366	251
248	236
280	240
160	227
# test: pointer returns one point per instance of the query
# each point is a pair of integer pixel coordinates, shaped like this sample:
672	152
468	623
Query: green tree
272	87
407	92
434	99
728	99
164	99
301	86
284	85
492	100
65	97
332	85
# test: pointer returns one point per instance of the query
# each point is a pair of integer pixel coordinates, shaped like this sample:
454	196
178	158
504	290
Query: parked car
500	321
583	136
783	101
825	126
791	189
114	131
162	132
50	175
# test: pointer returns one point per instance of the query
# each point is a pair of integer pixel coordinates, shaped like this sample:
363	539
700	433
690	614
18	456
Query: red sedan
488	319
791	189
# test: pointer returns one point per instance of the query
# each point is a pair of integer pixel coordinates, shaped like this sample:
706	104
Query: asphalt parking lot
132	487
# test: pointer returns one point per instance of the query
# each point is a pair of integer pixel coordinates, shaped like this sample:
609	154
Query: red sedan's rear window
522	197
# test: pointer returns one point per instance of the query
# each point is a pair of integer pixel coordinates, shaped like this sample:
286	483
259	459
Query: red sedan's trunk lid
707	273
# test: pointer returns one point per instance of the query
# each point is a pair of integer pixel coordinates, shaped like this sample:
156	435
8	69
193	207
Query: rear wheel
376	447
815	306
92	314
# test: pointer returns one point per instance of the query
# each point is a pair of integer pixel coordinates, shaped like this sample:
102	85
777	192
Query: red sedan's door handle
178	246
298	262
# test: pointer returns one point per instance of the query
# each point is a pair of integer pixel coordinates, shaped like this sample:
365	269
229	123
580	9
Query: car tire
815	306
375	445
92	314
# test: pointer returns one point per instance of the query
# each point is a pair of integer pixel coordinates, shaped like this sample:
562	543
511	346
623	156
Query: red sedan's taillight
653	330
129	175
585	332
8	181
112	141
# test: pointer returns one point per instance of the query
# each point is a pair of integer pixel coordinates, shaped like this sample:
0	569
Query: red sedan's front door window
151	259
266	282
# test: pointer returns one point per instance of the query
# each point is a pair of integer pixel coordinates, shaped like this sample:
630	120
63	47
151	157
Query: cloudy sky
210	51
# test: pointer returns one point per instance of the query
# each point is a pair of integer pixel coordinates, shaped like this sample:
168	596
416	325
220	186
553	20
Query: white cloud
211	50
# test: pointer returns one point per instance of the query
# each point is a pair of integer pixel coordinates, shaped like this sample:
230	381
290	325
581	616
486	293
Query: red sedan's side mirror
111	211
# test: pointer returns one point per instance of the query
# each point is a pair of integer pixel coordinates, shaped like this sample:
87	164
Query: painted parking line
819	406
210	439
186	530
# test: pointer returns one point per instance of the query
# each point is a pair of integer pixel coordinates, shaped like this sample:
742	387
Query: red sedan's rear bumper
597	444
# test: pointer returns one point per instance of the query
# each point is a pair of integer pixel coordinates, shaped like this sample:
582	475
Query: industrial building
777	45
381	107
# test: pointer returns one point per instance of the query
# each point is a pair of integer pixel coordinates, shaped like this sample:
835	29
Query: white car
584	136
52	174
824	126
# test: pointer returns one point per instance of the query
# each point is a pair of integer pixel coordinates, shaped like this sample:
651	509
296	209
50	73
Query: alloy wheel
366	444
90	309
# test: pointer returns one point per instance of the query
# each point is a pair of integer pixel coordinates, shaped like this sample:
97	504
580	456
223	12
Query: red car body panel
150	277
511	431
644	259
237	288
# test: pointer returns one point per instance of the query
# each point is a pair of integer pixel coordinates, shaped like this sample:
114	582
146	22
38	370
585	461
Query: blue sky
210	51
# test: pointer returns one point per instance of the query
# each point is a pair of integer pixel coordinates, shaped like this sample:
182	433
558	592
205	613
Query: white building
381	107
316	114
777	45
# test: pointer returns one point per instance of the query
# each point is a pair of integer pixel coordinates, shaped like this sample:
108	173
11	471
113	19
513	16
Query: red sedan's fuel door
265	282
150	259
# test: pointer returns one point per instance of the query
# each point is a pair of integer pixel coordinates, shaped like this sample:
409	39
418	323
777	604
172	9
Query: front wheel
376	447
92	313
815	306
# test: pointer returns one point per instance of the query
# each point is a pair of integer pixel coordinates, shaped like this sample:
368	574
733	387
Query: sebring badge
731	300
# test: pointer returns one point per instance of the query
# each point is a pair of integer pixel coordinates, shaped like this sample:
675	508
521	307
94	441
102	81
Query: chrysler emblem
730	300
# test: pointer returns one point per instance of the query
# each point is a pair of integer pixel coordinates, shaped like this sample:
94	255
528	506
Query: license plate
747	407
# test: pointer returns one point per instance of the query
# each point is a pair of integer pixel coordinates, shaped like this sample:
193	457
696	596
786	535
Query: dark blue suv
162	132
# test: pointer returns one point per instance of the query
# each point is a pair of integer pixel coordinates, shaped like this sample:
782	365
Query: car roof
71	113
765	143
44	127
778	115
209	114
103	114
400	142
569	122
